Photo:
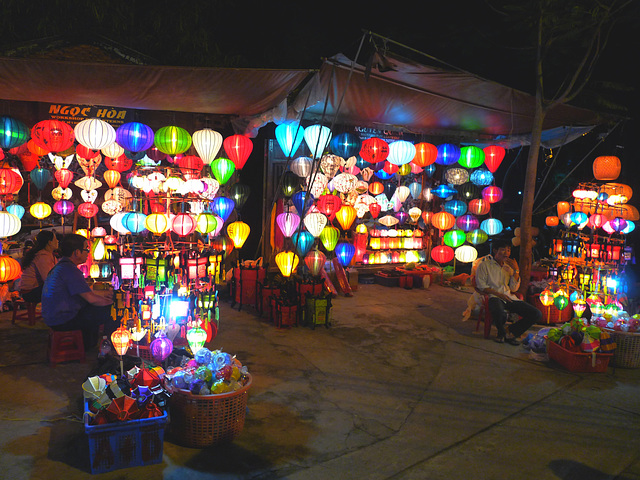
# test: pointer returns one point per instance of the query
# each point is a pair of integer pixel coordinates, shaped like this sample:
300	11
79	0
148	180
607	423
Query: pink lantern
492	194
183	224
288	223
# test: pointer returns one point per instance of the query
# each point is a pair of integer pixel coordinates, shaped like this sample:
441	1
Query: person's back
60	296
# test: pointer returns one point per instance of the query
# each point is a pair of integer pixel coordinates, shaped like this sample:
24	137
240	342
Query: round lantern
222	169
289	136
477	236
606	168
448	154
492	226
443	220
329	237
35	149
16	209
468	191
442	254
315	223
345	145
345	182
455	207
401	152
133	222
40	210
206	223
288	223
112	150
346	216
631	226
9	269
157	223
222	206
466	254
94	134
454	238
456	176
617	224
303	241
120	163
492	194
467	222
317	138
493	156
481	177
172	140
196	337
207	143
471	157
134	136
563	207
9	224
10	181
552	221
374	150
87	209
345	252
13	132
376	188
183	224
238	233
53	135
287	263
329	204
426	154
238	148
302	166
161	347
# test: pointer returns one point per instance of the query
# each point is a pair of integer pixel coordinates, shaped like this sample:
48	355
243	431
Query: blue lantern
481	177
448	154
13	132
361	163
134	137
299	199
455	207
17	210
628	229
345	252
346	145
303	241
40	177
492	226
430	170
382	175
134	222
289	136
222	206
415	189
443	190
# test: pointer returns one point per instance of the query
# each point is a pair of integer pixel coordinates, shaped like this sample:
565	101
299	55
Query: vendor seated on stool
498	276
36	265
68	303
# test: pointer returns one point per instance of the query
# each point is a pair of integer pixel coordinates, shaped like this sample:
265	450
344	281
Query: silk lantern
112	177
172	140
493	156
94	133
346	216
455	207
374	150
134	222
134	136
606	168
10	181
426	154
196	337
401	152
120	163
13	132
492	226
471	156
329	237
317	138
329	204
287	263
222	206
467	222
207	143
239	193
299	199
190	166
466	254
302	166
345	252
315	261
238	233
454	238
183	224
288	223
456	176
157	223
477	236
238	148
290	182
9	269
315	223
16	209
492	194
222	169
289	137
87	210
481	177
206	223
161	347
443	220
443	191
40	210
442	254
448	154
40	177
345	145
479	206
9	224
53	135
302	241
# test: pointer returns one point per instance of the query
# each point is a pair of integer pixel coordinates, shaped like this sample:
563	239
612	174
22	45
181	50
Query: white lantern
315	223
301	166
317	138
389	220
401	152
345	182
116	223
207	143
94	133
10	224
113	150
402	193
466	254
320	182
414	214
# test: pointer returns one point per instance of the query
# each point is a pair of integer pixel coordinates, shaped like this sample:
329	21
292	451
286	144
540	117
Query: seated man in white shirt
498	276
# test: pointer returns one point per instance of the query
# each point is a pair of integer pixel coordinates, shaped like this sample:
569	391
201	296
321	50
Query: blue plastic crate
125	444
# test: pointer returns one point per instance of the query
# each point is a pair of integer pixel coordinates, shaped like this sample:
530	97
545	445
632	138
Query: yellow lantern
238	233
346	216
94	270
361	228
206	223
287	263
157	223
120	339
83	232
97	251
40	210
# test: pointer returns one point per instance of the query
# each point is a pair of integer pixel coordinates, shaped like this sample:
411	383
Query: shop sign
74	114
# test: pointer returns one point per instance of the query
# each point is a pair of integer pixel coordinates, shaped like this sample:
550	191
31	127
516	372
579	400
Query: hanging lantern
9	269
467	222
492	226
113	151
560	300
172	140
466	254
468	191
374	150
448	154
346	216
53	135
375	209
454	238
552	221
157	223
239	193
287	263
414	214
302	166
112	177
222	206
183	224
346	145
288	223
206	223
13	132
238	233
426	154
481	177
563	207
618	224
190	166
161	347
443	221
376	188
207	143
120	163
10	181
222	168
443	191
345	182
315	223
196	337
479	207
471	156
546	297
317	138
401	152
477	236
315	262
17	210
289	136
87	209
40	177
94	134
10	224
329	237
133	222
493	156
303	241
442	254
455	207
222	244
492	194
134	136
606	168
345	252
40	210
389	221
329	204
456	176
238	148
290	183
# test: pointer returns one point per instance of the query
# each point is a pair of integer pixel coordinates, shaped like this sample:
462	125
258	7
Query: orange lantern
426	217
606	168
552	221
37	150
546	298
120	339
9	269
346	216
376	188
238	233
426	154
479	206
112	177
443	221
563	207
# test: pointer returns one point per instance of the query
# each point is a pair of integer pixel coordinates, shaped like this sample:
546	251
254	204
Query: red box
578	361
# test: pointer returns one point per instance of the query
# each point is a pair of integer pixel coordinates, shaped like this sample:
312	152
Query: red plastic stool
65	346
28	314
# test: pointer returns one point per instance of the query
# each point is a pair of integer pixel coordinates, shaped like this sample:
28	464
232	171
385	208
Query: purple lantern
63	207
134	136
402	217
467	222
161	347
288	223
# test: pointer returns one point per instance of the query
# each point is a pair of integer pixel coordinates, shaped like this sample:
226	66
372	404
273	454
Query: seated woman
36	265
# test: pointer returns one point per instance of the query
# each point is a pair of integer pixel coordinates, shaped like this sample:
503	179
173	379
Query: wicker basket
627	352
203	420
550	314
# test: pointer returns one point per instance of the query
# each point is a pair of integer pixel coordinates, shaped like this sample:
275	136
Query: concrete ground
398	388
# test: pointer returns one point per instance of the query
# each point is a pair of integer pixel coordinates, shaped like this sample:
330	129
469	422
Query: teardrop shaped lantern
172	140
40	177
238	233
471	156
13	132
374	150
329	204
299	199
134	136
53	135
222	169
493	156
183	224
448	154
16	209
329	237
317	138
346	145
190	166
290	183
345	252
288	223
112	177
426	154
346	216
315	223
222	206
207	143
289	136
302	241
94	133
315	261
287	263
238	148
239	193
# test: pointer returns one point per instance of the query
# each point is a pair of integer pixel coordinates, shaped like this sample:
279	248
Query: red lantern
222	244
376	188
190	166
492	194
121	164
183	224
64	177
375	209
493	156
53	135
121	339
87	209
29	160
87	153
329	204
442	254
238	148
390	168
10	181
374	150
426	154
9	269
426	217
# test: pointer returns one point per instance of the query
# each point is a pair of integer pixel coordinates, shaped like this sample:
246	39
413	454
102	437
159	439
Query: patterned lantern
456	176
94	134
238	148
426	154
374	150
492	194
161	347
238	233
121	162
196	337
329	237
345	252
448	154
376	188
222	206
134	136
315	261
207	143
454	238
53	135
289	136
172	140
443	221
493	156
10	181
183	224
492	226
471	157
315	223
157	223
40	210
466	254
9	269
317	138
288	223
222	168
414	213
606	168
13	132
442	254
546	298
9	224
287	263
346	216
345	182
302	166
87	209
375	209
401	152
329	204
481	177
190	166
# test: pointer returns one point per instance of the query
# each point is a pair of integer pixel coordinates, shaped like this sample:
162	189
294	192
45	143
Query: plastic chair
28	314
65	346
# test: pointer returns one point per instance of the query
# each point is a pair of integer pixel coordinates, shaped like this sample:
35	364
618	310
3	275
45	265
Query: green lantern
454	238
477	236
561	301
222	168
172	140
206	222
471	156
329	238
